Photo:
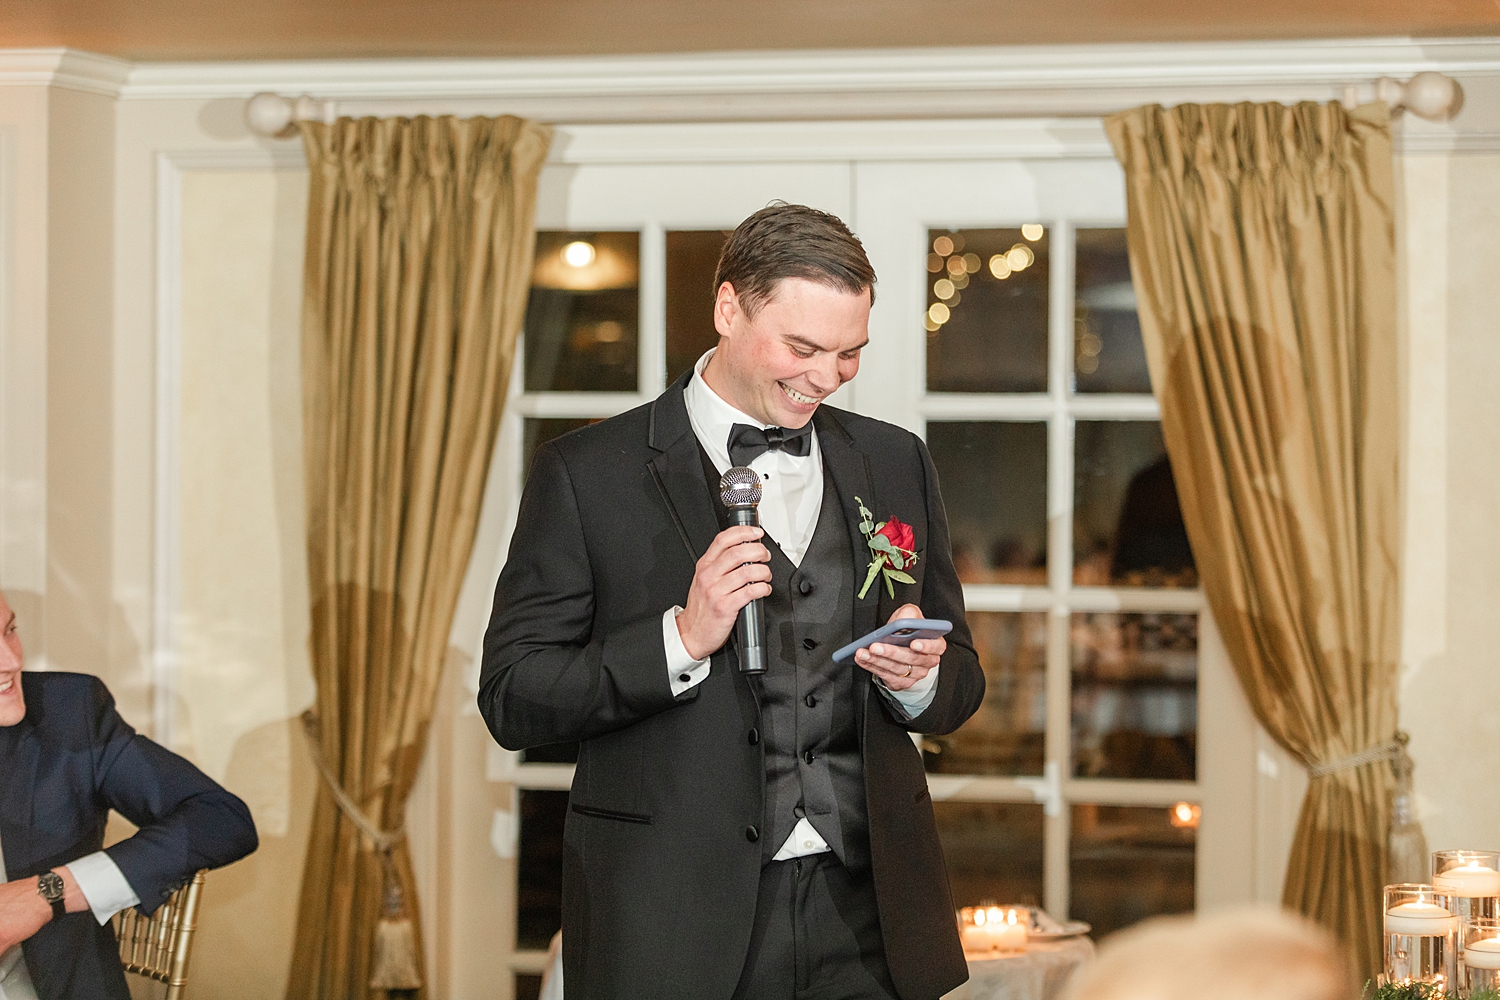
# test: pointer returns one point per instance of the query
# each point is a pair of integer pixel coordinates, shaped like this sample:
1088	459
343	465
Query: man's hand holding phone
899	667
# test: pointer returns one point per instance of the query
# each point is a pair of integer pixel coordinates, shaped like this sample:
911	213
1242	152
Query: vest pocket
614	814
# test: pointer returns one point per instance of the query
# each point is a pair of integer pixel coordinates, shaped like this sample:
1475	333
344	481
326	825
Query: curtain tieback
1390	750
384	840
393	960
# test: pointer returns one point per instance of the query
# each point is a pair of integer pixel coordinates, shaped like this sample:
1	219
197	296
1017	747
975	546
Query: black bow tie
747	443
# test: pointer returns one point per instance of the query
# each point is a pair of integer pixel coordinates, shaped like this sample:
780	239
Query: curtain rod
1431	95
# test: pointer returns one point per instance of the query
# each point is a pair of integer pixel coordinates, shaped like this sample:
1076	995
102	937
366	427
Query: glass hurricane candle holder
1479	962
1421	936
989	929
1471	879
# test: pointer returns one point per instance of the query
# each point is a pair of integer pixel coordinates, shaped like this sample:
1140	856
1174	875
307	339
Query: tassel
1408	845
393	961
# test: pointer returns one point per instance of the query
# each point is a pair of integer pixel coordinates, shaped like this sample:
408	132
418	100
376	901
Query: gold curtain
420	236
1262	245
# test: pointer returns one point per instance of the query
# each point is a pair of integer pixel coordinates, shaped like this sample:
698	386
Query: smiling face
12	702
798	347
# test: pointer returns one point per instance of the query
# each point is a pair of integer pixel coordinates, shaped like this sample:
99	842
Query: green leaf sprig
889	561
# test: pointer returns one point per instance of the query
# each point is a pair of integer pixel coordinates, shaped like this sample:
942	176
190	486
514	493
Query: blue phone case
901	632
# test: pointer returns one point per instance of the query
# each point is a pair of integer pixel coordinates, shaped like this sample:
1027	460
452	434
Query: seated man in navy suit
66	760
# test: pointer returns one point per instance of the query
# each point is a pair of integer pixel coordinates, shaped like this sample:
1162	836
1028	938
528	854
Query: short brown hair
792	241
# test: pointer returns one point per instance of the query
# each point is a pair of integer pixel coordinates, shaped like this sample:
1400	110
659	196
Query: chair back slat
157	947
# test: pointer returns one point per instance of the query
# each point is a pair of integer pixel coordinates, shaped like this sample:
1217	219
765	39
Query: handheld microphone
739	489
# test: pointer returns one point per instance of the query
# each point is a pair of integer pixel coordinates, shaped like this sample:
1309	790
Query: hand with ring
899	667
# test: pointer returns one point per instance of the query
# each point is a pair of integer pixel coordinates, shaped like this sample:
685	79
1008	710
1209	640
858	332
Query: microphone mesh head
740	487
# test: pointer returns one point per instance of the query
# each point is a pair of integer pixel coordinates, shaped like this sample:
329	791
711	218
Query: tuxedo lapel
678	471
849	470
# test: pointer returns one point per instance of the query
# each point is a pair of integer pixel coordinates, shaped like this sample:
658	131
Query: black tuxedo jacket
661	866
62	769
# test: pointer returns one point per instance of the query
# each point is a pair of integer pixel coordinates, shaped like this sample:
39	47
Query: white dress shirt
791	500
105	890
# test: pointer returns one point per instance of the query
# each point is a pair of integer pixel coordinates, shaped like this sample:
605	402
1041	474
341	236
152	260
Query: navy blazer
62	769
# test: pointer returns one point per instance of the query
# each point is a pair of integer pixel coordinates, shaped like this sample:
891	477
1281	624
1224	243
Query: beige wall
243	676
1450	692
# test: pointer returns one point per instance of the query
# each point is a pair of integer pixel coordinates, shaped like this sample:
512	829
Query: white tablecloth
1038	973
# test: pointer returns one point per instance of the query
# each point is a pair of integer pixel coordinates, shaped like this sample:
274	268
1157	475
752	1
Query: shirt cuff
103	885
683	672
916	699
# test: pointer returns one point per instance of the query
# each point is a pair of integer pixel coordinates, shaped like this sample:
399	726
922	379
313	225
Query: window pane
1008	733
987	310
692	258
583	315
994	851
539	868
1127	863
1108	353
994	482
1135	696
536	432
1127	526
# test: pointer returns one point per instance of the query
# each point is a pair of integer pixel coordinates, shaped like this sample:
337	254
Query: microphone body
740	491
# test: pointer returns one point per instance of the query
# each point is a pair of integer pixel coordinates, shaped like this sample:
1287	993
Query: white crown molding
67	69
852	85
896	83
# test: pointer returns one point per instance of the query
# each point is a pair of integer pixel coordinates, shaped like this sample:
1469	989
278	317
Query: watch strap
50	887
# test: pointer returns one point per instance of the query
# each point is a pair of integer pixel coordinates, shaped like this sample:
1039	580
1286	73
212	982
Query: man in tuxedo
759	837
66	759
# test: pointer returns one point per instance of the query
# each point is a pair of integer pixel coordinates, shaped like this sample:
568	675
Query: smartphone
901	632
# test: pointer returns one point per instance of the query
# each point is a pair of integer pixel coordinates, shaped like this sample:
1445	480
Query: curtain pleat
1262	247
419	249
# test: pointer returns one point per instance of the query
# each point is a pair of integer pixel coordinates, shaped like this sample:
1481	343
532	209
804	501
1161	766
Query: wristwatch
50	887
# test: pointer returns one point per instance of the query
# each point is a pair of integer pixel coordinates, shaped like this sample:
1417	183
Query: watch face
50	885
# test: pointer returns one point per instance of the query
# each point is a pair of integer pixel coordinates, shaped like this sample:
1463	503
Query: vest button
752	834
808	756
809	644
754	736
805	586
810	701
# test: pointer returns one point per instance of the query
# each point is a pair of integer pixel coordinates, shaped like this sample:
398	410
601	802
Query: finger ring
908	671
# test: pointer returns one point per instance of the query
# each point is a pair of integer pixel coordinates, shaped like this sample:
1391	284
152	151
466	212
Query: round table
1038	973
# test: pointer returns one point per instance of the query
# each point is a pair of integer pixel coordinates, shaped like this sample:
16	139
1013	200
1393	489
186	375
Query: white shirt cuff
103	885
683	672
919	696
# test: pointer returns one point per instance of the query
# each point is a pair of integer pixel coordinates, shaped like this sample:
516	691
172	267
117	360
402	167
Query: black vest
808	726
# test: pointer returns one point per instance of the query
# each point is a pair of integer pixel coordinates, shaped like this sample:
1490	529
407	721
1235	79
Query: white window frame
1259	829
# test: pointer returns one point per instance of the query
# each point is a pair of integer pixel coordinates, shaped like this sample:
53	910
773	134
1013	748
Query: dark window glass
536	432
1127	863
528	987
1135	695
994	851
987	310
1008	733
994	482
1127	525
539	868
1108	353
583	317
692	257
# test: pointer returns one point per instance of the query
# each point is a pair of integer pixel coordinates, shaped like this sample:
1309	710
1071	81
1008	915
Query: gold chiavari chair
157	947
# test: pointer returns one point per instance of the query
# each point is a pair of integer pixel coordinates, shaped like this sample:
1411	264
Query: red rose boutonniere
892	549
